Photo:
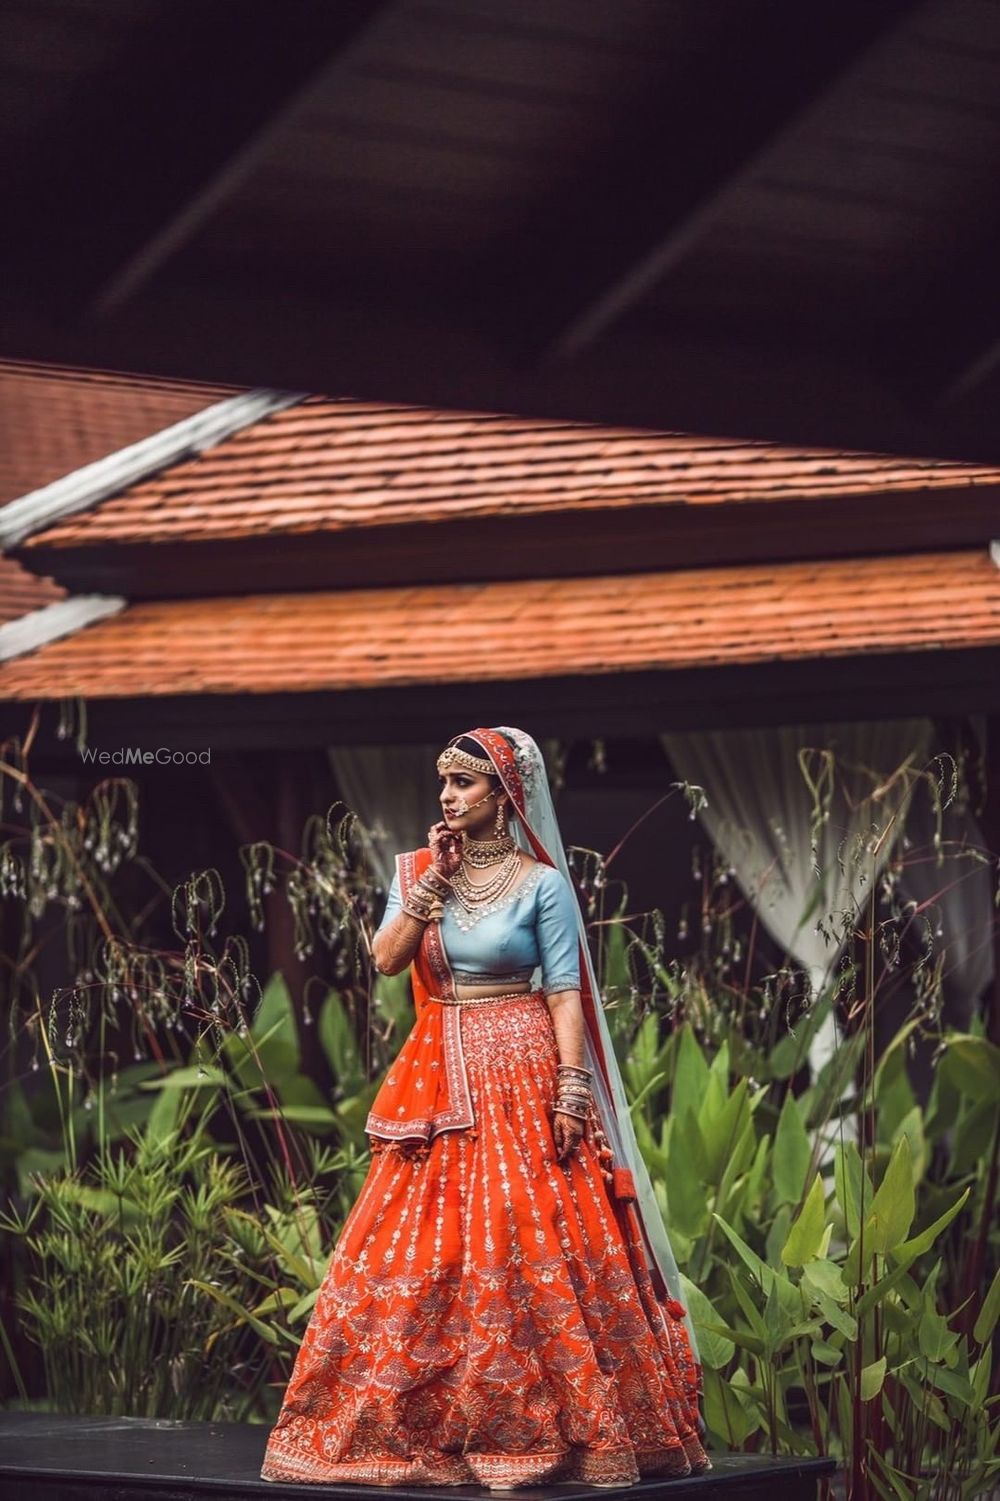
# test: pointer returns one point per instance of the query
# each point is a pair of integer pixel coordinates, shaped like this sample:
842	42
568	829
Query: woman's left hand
567	1131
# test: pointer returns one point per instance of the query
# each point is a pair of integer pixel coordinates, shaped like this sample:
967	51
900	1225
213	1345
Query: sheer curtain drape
393	789
759	817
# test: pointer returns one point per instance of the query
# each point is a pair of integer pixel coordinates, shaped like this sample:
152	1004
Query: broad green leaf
896	1101
719	1065
935	1338
755	1343
826	1277
792	1151
303	1306
942	1108
872	1378
844	1322
908	1252
761	1271
393	1000
973	1064
340	1044
315	1117
777	1234
973	1136
825	1353
879	1290
737	1163
757	1176
690	1075
688	1202
715	1349
952	1382
894	1206
688	1147
986	1320
303	1103
723	1128
853	1187
912	1127
893	1058
194	1076
164	1114
747	1303
275	1032
727	1412
981	1373
806	1235
642	1059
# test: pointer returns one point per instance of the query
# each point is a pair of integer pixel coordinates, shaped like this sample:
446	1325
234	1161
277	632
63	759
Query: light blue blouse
535	927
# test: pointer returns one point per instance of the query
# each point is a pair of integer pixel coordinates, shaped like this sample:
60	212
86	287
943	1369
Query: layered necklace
499	854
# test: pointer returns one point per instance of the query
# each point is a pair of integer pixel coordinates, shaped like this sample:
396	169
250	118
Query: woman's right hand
446	848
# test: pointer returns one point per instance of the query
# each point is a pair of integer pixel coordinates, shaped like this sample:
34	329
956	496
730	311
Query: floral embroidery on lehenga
484	1317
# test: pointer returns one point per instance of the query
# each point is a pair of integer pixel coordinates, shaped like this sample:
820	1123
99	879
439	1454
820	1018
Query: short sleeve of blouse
558	934
393	903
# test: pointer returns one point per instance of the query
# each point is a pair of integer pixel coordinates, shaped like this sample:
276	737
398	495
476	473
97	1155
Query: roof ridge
92	483
63	617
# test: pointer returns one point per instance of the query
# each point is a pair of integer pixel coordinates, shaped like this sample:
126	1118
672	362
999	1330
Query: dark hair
473	748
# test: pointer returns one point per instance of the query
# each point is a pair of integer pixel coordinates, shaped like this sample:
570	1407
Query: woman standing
502	1306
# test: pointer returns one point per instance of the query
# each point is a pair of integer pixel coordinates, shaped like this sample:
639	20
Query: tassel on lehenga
487	1315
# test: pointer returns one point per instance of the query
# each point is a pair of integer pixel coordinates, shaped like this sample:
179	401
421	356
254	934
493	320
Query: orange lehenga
488	1315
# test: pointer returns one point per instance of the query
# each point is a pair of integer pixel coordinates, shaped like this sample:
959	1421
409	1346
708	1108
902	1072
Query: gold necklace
482	853
474	894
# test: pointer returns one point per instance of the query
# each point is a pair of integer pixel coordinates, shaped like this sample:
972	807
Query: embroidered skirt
484	1318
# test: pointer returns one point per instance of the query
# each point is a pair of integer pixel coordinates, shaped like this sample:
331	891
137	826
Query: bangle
573	1099
433	880
412	912
576	1114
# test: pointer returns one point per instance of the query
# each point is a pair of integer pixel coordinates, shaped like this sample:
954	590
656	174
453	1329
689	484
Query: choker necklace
476	895
482	853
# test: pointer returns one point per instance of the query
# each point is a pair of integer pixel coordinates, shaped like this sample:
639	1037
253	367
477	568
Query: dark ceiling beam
622	703
151	148
951	344
628	222
253	334
573	543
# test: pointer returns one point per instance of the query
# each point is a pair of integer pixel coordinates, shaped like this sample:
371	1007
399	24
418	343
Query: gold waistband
484	1000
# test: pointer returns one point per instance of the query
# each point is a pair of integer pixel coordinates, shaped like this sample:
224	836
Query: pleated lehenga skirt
483	1319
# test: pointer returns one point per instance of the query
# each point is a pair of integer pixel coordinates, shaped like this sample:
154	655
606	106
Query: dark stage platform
48	1458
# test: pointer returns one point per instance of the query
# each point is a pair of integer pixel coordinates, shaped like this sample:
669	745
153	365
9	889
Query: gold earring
499	826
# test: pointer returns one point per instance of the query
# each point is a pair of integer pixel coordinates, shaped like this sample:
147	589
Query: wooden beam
621	703
152	147
417	351
621	229
573	543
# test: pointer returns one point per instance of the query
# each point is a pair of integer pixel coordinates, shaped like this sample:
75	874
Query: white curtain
759	817
393	789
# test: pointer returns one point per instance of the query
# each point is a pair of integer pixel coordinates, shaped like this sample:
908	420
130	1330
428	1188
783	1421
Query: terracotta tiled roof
54	420
327	465
370	638
21	591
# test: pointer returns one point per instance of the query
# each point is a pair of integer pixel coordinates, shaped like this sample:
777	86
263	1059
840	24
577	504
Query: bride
502	1305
